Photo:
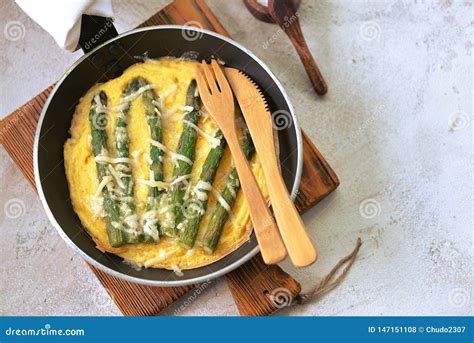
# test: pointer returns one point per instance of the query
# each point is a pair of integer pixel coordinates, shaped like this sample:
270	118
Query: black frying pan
108	55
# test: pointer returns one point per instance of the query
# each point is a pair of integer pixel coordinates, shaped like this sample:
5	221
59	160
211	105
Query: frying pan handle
95	30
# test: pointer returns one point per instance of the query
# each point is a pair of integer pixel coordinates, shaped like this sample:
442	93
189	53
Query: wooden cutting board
251	283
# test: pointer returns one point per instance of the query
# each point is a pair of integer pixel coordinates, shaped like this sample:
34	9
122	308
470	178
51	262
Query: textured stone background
396	126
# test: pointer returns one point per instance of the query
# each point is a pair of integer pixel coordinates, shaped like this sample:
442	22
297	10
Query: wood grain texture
261	11
259	289
284	14
17	136
138	300
17	133
318	179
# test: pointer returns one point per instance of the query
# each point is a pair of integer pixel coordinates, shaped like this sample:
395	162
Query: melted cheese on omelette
170	79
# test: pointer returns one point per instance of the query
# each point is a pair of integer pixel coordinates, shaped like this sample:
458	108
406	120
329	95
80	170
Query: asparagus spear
186	148
126	201
220	214
150	225
189	227
99	147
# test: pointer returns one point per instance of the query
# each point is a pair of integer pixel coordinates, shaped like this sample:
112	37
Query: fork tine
221	79
202	85
211	81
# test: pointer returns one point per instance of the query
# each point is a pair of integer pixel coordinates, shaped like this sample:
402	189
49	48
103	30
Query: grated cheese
174	155
187	194
126	199
98	104
204	185
166	217
123	168
177	270
171	90
221	200
187	108
200	195
105	180
113	160
148	159
153	183
190	252
96	206
131	221
201	190
231	190
215	142
157	111
120	107
150	220
116	176
137	93
180	179
162	255
181	226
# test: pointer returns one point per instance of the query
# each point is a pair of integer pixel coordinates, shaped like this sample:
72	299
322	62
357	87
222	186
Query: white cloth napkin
62	19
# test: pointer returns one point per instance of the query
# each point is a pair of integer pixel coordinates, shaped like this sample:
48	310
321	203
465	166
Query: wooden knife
259	121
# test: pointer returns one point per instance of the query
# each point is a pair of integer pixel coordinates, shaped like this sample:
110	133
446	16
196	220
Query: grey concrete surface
396	126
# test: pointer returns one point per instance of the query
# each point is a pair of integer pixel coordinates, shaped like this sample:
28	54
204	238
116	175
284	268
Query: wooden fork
217	97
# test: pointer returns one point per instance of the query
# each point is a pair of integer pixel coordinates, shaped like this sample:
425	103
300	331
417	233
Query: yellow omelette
170	79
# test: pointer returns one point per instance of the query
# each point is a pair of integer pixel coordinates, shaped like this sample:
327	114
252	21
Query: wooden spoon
284	14
261	12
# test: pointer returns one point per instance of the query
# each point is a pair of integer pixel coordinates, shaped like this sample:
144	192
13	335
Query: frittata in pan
149	173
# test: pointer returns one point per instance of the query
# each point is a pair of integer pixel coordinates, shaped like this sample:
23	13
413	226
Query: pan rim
148	282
